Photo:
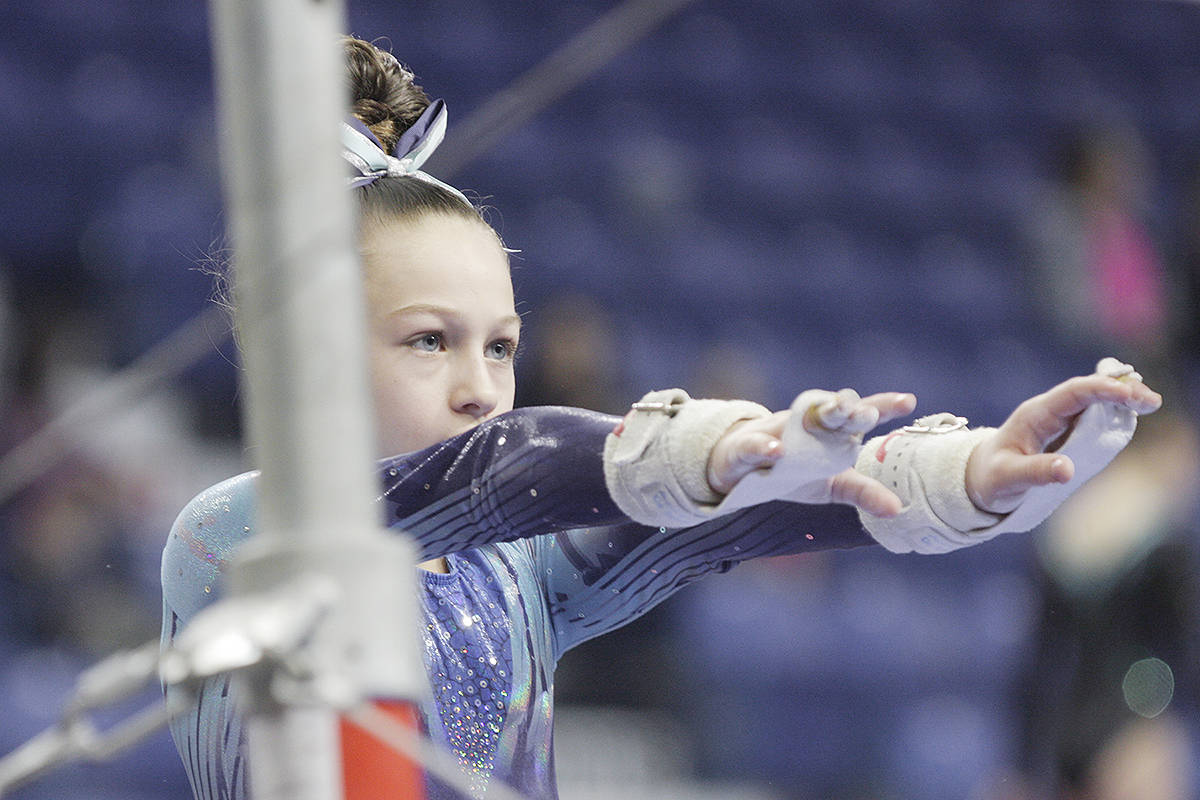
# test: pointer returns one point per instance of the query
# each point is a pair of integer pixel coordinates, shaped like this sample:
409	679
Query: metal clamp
937	423
670	409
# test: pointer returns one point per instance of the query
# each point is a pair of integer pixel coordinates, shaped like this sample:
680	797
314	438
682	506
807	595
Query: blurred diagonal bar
188	344
537	89
554	76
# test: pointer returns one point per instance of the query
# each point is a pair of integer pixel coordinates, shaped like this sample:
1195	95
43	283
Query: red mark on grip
881	453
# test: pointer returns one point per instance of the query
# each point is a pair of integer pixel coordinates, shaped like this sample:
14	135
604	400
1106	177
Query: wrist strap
925	464
656	461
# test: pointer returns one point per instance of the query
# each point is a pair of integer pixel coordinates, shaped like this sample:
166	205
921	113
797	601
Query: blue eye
502	349
427	342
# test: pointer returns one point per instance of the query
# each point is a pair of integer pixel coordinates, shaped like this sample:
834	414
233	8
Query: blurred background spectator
860	187
1113	677
1185	300
1097	263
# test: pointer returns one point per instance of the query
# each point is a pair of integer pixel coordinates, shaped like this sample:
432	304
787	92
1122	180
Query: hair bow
363	150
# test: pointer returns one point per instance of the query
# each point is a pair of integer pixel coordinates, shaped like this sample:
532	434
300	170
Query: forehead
436	258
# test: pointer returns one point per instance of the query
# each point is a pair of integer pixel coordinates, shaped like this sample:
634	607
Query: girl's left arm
598	579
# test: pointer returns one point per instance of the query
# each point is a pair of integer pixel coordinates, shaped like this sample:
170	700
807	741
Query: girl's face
442	328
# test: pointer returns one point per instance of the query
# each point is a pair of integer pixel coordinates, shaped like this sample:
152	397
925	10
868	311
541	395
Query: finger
1125	390
861	419
1072	396
758	449
833	413
891	405
1144	400
752	450
773	424
1040	420
853	414
1043	418
854	488
1012	475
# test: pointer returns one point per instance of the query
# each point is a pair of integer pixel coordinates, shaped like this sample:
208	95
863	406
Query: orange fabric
372	770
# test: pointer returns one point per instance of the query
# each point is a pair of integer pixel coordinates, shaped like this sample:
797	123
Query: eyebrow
442	311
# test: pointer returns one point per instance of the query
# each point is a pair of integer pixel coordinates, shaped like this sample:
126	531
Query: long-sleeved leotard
539	558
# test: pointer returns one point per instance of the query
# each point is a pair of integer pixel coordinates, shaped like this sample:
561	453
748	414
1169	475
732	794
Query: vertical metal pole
297	286
299	302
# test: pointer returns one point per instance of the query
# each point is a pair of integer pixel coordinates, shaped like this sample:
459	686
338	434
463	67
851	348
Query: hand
1021	455
755	444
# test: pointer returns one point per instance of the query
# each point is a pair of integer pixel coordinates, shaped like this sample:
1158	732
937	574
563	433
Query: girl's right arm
540	470
525	473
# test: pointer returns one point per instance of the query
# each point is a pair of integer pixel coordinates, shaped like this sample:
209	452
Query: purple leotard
540	560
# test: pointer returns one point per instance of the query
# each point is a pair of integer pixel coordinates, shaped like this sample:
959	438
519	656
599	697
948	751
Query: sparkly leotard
540	560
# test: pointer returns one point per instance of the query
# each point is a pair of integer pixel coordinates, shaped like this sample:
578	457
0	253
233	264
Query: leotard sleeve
598	579
525	473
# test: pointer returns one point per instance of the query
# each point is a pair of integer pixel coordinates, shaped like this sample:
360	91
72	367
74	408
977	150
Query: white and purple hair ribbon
365	152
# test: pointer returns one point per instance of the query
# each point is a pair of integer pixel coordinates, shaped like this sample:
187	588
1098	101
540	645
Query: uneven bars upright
299	304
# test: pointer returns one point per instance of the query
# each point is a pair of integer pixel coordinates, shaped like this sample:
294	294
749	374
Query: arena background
755	198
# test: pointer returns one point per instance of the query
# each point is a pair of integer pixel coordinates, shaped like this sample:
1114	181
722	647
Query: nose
474	392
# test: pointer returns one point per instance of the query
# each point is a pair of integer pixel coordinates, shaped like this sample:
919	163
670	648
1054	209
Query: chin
428	438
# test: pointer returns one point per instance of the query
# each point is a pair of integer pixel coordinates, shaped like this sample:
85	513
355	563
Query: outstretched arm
540	470
525	473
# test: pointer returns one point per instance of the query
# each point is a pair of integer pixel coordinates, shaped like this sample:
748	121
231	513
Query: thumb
750	451
1012	477
1043	469
854	488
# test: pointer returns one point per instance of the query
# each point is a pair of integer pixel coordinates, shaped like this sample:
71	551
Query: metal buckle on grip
942	423
670	409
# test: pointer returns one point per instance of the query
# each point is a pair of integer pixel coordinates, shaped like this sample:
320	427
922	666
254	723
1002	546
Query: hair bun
384	95
371	112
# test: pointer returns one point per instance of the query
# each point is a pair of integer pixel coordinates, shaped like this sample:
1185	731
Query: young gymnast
541	528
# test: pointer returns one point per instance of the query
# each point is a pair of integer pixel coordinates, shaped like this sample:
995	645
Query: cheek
384	377
391	421
408	422
508	393
397	405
